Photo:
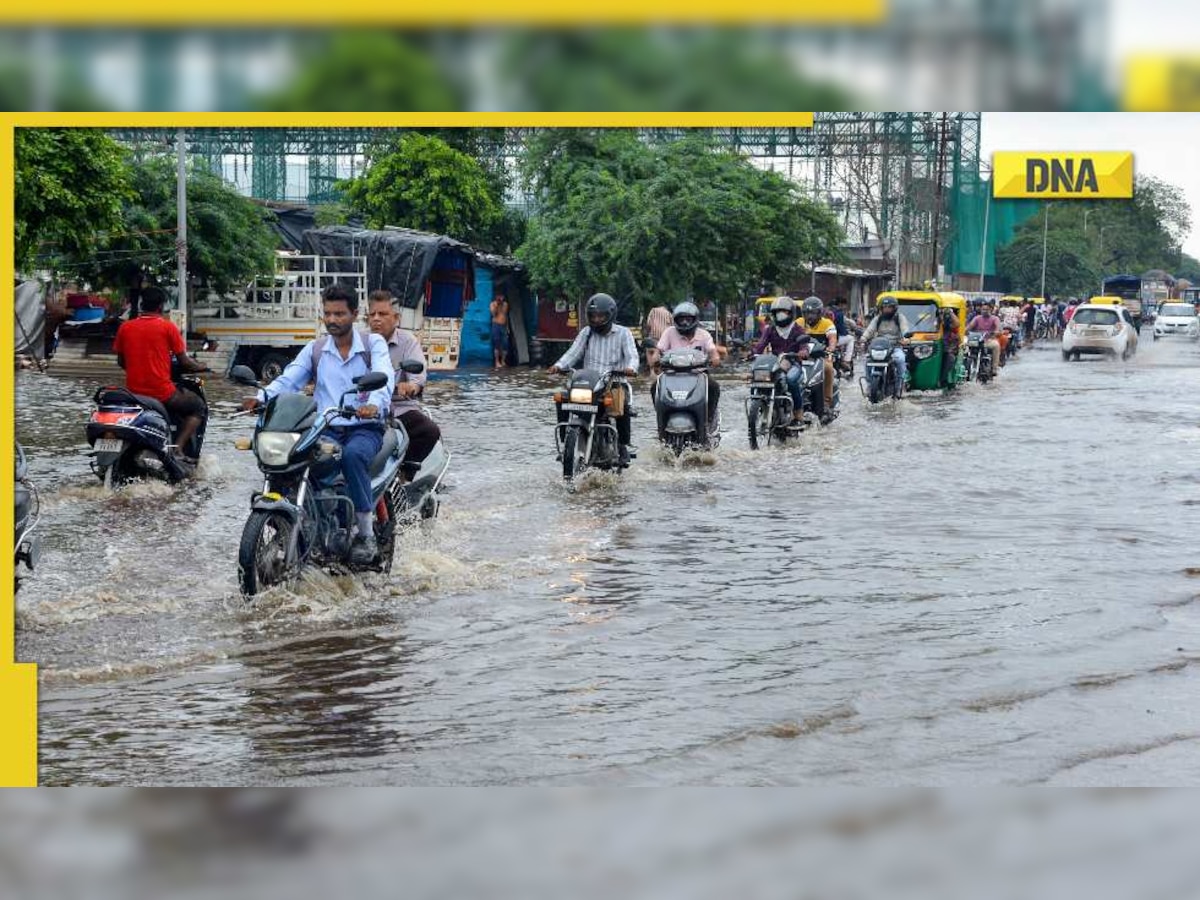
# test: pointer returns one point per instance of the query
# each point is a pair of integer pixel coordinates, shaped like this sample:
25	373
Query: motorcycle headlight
879	355
581	395
923	351
274	447
762	374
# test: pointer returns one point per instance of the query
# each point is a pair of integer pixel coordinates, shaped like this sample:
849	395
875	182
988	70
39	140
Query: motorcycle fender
286	507
579	420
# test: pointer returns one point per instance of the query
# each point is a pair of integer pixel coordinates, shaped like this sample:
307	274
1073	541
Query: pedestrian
499	311
658	320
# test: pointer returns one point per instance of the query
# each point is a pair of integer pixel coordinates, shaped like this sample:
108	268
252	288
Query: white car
1099	329
1177	318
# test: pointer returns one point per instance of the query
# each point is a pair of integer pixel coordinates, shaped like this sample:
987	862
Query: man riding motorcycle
685	334
144	347
989	325
783	335
604	346
823	329
346	354
890	322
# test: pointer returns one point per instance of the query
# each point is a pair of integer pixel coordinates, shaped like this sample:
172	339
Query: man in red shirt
144	347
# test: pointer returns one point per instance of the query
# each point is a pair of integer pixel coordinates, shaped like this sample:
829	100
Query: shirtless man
499	309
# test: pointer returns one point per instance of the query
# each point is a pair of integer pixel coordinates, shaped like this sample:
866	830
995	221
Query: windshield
1096	317
1178	309
920	316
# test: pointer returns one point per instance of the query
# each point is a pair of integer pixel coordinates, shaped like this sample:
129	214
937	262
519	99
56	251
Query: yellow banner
464	12
1161	84
1062	176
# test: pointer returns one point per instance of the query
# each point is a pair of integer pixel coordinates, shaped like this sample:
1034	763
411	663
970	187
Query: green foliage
421	182
655	223
70	184
638	69
331	214
229	239
366	71
1121	236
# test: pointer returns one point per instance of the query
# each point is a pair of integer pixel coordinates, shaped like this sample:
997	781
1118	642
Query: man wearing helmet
990	325
890	322
604	346
818	326
686	334
783	335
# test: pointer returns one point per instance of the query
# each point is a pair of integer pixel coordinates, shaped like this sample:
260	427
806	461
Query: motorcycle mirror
372	381
412	366
243	375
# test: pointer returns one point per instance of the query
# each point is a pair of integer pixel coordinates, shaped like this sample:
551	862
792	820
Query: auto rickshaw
924	311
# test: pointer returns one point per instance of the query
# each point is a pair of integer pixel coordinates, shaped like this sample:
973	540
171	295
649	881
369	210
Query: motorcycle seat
118	396
390	442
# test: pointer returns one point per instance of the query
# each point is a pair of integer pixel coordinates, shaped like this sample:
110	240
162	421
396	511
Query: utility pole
181	224
1045	233
987	208
939	176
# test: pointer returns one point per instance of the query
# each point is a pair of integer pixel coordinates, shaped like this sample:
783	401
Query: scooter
586	435
881	379
28	544
681	402
303	515
131	436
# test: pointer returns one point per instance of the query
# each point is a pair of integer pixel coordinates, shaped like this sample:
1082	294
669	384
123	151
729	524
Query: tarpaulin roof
398	259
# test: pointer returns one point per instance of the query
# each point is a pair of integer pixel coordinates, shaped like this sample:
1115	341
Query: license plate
109	445
579	407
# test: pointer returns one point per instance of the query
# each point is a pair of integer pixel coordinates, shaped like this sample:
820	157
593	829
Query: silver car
1177	319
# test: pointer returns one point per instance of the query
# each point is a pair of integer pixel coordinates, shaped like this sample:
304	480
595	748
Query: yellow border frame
18	681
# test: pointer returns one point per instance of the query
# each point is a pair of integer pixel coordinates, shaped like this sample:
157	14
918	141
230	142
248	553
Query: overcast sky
1164	144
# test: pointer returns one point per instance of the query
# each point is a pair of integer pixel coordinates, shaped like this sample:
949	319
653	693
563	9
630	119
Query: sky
1163	144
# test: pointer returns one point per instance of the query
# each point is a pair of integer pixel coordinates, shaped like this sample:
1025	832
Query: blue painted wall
476	346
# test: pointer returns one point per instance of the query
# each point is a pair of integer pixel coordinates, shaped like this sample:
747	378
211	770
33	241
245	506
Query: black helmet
687	317
888	301
812	306
783	311
601	310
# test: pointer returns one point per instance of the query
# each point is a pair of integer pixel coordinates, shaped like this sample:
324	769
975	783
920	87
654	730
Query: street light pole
1045	234
181	225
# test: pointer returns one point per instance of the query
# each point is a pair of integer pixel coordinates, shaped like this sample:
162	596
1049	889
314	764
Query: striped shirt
657	322
604	352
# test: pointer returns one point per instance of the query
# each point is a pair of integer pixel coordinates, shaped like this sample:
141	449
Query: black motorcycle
882	379
770	411
979	358
303	515
681	402
586	435
131	436
28	544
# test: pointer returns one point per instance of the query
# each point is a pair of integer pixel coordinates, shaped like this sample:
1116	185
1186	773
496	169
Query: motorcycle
881	379
1013	344
303	515
131	436
28	544
586	435
770	409
681	402
979	358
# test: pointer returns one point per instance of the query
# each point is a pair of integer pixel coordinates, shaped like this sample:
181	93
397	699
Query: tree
1070	264
652	224
371	71
229	240
70	185
421	182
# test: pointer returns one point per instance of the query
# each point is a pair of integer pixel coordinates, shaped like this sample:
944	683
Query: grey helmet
783	312
686	317
812	306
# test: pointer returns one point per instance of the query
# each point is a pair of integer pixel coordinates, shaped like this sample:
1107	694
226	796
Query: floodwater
993	587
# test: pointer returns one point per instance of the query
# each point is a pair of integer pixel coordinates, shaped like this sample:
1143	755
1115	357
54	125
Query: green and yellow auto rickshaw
925	312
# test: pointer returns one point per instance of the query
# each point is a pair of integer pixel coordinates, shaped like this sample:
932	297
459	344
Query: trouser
900	360
829	380
794	374
949	360
994	345
423	434
1002	341
359	443
846	342
184	403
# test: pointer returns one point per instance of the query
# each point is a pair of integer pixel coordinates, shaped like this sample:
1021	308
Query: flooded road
992	587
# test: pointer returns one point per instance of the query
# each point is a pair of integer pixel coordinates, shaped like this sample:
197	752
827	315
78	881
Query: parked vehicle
1100	329
681	402
132	435
303	515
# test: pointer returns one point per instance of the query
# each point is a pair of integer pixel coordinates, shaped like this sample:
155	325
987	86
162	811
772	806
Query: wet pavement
990	587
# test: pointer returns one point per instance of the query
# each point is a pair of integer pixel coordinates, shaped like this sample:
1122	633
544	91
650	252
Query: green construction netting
969	205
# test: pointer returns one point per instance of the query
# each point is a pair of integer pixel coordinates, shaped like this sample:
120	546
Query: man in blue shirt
342	357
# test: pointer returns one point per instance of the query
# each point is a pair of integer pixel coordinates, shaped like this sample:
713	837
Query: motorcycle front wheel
754	414
262	554
572	454
874	389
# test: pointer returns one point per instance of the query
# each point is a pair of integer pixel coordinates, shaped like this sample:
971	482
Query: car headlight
581	395
274	447
923	351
